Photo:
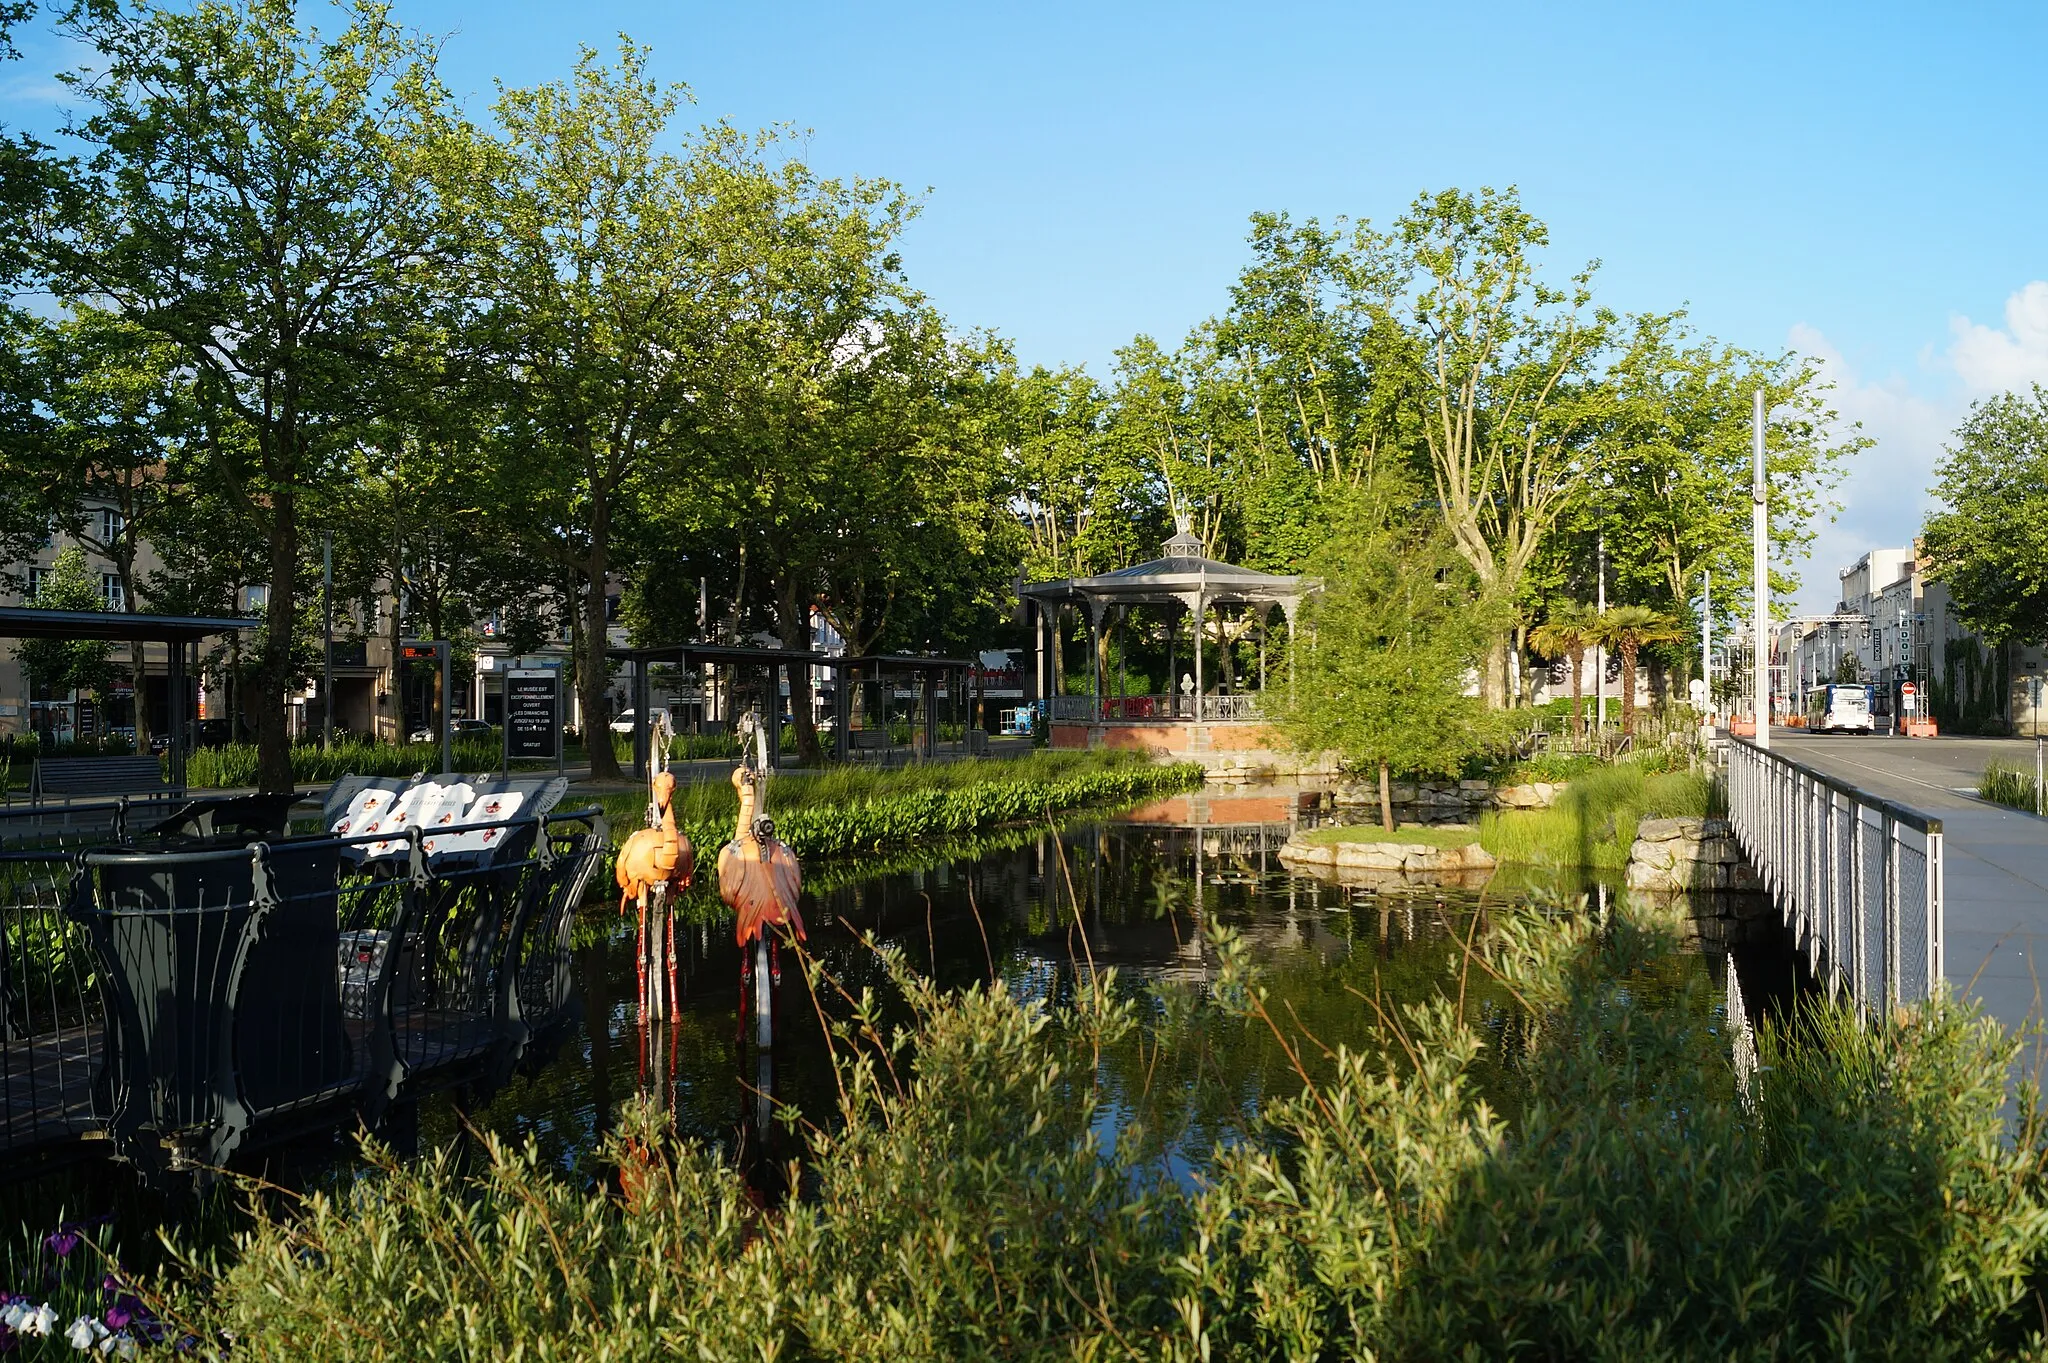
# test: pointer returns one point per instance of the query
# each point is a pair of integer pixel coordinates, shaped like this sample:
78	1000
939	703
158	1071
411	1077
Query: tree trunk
1578	657
1386	799
1526	698
280	619
1057	640
793	623
1495	677
1628	689
590	673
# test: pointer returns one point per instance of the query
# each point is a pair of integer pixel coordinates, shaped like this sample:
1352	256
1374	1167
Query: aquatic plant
846	811
1864	1197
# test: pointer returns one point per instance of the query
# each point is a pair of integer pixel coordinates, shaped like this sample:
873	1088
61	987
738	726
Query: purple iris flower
62	1241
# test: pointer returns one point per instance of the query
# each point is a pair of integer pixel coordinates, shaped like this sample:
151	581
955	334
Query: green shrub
1864	1199
2009	785
847	810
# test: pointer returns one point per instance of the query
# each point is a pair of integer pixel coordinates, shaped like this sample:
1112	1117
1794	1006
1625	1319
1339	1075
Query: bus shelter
180	635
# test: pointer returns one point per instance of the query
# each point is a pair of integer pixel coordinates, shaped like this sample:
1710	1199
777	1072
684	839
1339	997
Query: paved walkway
1996	859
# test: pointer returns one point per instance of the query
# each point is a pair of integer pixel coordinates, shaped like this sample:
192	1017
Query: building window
36	577
256	597
110	526
112	592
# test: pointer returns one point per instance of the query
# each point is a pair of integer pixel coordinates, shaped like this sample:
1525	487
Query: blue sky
1861	182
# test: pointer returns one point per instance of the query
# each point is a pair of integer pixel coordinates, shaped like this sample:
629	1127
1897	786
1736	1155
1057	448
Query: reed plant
1865	1197
1593	822
2004	784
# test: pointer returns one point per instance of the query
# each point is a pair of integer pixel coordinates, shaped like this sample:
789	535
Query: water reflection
1136	893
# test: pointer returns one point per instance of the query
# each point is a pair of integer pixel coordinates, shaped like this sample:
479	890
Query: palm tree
1567	634
1625	629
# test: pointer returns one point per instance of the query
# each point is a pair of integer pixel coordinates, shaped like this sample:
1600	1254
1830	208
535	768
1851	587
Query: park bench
65	778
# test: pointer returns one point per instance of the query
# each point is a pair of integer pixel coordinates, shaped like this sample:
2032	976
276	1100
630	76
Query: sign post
533	715
437	649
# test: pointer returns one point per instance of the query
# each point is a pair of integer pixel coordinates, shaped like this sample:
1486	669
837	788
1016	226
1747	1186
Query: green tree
121	406
1988	542
263	197
1505	367
1568	632
608	272
1673	497
63	665
1378	670
1627	630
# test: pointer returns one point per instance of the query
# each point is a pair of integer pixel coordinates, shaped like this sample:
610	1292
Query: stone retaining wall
1392	865
1448	801
1701	860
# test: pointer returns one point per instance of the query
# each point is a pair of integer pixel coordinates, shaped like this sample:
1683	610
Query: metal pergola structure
772	661
178	634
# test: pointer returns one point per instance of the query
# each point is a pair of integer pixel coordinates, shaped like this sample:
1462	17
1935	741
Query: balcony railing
1234	709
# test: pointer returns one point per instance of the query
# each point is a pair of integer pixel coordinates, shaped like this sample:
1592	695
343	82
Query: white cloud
1989	360
1884	493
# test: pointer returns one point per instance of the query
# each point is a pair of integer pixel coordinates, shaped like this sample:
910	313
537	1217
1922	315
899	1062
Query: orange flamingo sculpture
760	881
657	863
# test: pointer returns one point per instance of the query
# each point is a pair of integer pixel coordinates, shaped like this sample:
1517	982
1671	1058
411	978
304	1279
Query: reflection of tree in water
1335	961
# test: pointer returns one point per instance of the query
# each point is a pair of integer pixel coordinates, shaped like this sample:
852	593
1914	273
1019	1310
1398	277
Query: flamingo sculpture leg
656	863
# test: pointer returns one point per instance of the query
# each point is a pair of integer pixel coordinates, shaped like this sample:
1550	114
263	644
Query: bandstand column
1199	605
1288	609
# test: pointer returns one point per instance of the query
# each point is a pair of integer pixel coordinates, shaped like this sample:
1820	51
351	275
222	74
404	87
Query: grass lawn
1408	835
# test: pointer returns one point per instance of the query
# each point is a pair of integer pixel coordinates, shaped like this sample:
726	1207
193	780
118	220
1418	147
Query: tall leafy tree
1672	499
1505	366
64	665
1377	673
603	270
121	405
263	197
1988	542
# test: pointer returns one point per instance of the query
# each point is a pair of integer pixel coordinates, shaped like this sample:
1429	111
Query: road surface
1995	858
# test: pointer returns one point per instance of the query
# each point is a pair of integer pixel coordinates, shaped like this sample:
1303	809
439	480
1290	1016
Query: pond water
1136	892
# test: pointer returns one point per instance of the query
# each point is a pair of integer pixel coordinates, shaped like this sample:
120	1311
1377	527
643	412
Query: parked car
420	736
472	728
624	723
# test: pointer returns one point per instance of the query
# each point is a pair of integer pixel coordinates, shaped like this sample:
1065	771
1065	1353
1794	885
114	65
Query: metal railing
1219	709
1858	877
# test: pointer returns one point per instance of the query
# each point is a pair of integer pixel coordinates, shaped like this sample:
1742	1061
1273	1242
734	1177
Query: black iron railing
177	1001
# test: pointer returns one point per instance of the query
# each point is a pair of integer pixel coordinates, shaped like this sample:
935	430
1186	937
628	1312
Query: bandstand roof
1181	573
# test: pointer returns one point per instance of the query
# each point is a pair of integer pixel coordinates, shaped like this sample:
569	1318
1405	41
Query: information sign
1909	696
533	713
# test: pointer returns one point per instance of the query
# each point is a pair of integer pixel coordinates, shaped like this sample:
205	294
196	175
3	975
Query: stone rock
1668	830
1534	795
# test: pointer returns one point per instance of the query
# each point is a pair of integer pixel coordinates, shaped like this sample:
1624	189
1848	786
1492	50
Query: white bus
1839	708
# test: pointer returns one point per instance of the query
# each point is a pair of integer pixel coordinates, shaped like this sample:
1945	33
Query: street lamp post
1600	670
1759	525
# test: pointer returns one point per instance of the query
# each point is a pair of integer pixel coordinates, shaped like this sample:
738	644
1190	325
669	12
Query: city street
1996	859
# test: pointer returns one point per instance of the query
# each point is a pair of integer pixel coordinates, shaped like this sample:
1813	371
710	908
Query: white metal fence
1239	707
1858	878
